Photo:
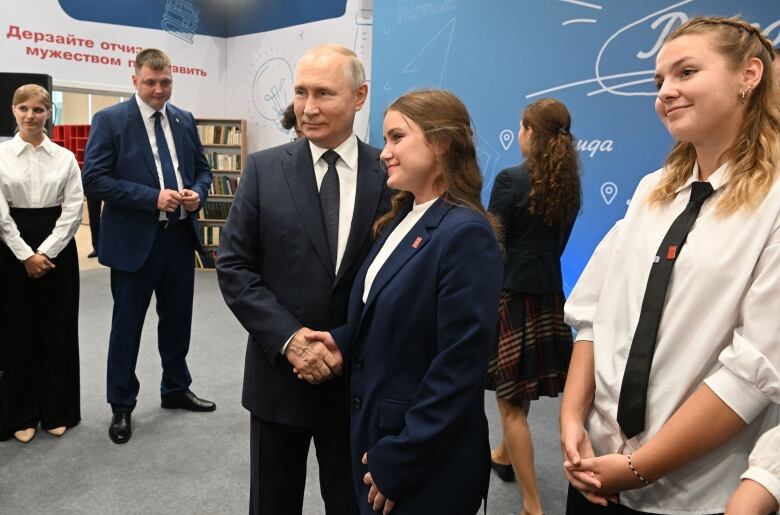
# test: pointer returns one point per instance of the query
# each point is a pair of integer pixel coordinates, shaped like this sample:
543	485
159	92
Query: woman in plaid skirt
537	204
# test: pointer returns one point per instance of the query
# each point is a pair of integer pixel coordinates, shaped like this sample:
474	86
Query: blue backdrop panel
219	18
596	56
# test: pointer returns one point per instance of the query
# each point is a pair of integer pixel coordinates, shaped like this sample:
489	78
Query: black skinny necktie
329	201
166	162
633	391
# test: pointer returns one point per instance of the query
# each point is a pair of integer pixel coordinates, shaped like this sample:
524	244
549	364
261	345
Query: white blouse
720	327
765	463
395	237
37	177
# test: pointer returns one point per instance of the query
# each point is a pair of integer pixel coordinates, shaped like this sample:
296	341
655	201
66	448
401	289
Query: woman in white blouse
759	491
716	354
40	210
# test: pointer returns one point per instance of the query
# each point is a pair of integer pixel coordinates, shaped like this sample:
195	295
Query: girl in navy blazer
422	320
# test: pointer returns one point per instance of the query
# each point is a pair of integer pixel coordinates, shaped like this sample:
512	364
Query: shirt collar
347	151
146	110
717	179
19	145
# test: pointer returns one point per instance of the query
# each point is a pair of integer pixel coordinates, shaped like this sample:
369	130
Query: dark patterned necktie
633	391
166	162
329	201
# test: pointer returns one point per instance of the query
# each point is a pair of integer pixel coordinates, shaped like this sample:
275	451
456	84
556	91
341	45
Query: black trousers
278	456
576	504
39	346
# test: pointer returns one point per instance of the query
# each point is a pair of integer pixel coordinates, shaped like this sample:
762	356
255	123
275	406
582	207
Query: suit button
356	403
358	362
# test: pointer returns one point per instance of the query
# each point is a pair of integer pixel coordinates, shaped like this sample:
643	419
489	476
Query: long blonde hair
755	152
446	124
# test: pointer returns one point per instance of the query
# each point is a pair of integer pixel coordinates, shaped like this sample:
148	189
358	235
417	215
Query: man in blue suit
297	233
144	160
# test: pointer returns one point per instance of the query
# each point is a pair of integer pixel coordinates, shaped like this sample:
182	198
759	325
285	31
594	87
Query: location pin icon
609	192
506	137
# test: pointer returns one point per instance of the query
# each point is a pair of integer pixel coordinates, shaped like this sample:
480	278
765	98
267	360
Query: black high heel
504	472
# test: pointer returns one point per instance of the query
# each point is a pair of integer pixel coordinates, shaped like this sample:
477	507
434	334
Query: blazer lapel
136	126
299	171
410	245
368	194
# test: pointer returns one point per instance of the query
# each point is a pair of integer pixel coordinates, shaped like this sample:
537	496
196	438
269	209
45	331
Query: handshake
314	355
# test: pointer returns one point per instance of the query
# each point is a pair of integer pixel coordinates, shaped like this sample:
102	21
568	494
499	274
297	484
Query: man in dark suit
298	231
144	160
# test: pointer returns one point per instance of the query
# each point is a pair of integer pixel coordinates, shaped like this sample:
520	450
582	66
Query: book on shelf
219	134
210	235
220	161
214	210
206	259
225	149
223	185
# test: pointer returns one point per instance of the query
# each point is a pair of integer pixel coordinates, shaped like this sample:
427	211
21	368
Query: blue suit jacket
119	169
418	351
275	273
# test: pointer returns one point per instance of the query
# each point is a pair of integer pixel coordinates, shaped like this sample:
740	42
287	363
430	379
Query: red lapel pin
417	242
672	252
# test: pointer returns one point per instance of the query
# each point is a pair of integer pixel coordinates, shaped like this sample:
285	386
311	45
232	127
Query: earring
746	92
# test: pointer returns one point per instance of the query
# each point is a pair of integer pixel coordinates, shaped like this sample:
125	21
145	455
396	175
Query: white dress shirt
147	113
395	237
765	463
721	326
38	177
346	167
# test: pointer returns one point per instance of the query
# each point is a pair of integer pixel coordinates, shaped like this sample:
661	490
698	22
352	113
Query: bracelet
644	481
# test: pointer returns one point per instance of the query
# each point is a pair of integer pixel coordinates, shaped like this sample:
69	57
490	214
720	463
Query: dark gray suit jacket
275	273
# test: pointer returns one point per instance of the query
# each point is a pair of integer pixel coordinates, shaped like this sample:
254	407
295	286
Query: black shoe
504	472
120	429
92	254
187	400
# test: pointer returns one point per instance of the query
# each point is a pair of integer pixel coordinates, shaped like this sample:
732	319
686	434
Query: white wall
246	77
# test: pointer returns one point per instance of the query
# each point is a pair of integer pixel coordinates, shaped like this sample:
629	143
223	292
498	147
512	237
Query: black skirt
534	347
39	347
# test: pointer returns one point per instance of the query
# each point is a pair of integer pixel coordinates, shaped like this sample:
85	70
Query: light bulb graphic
272	87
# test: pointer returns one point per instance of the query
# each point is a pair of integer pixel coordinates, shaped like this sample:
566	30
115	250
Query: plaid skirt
534	347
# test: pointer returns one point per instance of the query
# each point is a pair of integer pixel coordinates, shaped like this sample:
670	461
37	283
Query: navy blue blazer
418	352
276	275
532	248
119	169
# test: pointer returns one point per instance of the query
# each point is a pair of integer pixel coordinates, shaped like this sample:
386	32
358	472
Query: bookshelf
72	137
224	144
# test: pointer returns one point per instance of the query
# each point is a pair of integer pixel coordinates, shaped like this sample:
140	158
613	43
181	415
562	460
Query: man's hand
37	265
376	499
190	199
169	200
314	357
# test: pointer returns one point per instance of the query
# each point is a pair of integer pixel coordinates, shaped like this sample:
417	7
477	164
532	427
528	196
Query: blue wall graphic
596	56
219	18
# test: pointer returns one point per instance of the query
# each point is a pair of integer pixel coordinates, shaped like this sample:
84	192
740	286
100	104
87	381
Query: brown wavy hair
755	152
556	193
446	124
